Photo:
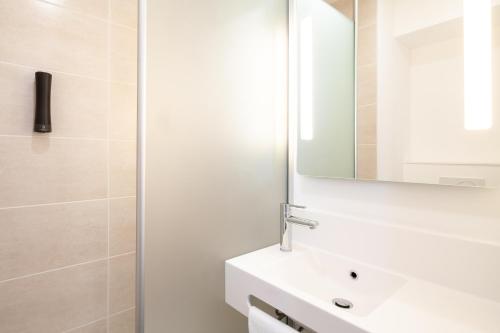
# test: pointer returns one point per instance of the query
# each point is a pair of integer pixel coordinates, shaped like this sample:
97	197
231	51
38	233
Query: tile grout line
371	64
367	26
108	161
82	13
122	311
64	138
84	325
53	270
366	105
87	77
51	137
67	202
26	276
121	254
98	320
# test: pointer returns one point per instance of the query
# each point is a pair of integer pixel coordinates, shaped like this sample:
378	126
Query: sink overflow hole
354	275
342	303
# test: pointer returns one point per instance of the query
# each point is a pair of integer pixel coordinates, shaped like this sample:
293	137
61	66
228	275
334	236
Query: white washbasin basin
304	282
325	277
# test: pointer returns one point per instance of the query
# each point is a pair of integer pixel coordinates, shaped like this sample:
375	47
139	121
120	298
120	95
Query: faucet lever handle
297	206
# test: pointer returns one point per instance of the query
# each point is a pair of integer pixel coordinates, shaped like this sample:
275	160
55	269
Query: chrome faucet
286	221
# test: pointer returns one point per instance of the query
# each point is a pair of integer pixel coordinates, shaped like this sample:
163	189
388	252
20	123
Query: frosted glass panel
325	99
215	153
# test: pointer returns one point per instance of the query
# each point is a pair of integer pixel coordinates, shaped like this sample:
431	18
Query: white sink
324	277
303	283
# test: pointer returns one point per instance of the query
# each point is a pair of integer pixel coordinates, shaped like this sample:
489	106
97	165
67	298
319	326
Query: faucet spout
311	224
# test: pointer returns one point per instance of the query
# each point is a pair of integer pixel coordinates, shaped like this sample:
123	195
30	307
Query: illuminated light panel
306	79
478	64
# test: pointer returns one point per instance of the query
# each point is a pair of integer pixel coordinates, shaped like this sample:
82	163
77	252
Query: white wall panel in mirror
426	108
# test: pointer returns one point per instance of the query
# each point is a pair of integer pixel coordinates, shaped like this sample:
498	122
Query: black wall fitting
42	109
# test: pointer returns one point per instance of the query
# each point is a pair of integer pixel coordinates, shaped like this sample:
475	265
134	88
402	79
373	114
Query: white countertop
416	307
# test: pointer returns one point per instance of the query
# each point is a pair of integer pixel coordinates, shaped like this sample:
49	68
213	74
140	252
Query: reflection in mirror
417	102
325	46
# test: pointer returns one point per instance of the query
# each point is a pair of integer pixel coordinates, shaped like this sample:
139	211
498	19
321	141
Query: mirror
397	90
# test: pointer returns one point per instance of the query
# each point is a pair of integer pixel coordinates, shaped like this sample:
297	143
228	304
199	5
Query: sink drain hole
342	303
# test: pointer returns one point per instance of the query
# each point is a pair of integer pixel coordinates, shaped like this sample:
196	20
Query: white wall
437	108
368	220
414	15
421	134
411	15
446	235
393	115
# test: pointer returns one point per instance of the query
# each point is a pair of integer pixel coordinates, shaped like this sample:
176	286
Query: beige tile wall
346	7
67	199
367	83
367	90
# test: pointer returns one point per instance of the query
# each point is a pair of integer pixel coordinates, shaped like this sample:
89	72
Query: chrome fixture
286	221
343	303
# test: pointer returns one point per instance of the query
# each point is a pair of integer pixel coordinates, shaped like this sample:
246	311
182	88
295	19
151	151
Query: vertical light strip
280	86
293	98
306	79
478	64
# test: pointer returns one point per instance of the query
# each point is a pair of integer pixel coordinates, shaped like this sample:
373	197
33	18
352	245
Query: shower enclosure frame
291	122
